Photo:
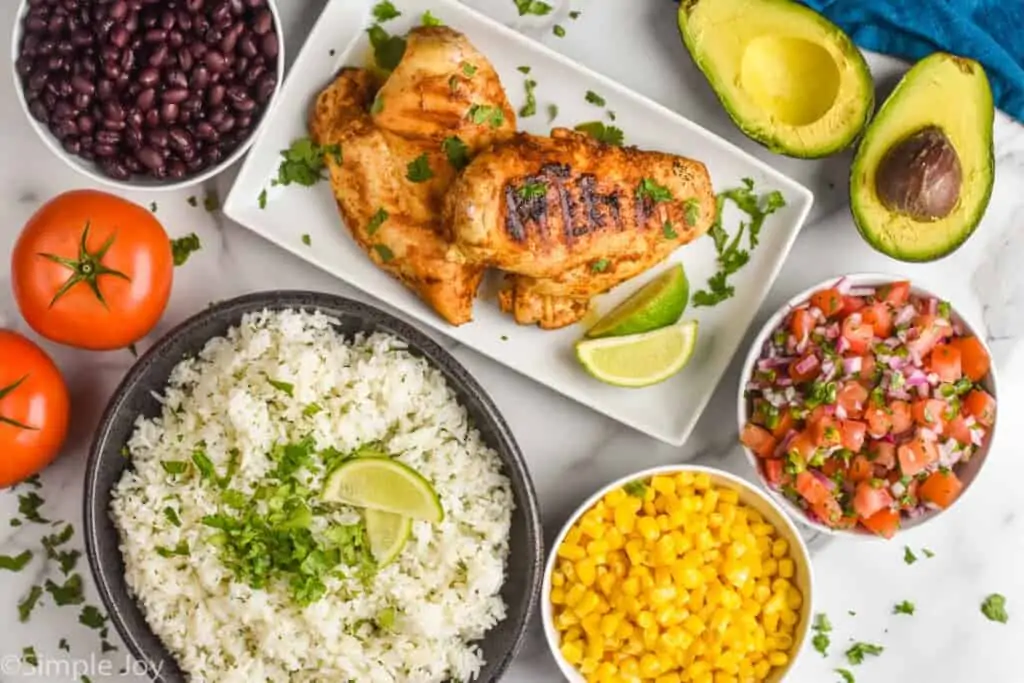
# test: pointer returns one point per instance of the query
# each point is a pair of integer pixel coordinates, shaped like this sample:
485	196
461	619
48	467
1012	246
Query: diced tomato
879	421
857	333
830	301
868	499
825	432
900	414
758	439
866	375
931	330
801	323
909	500
882	454
916	455
852	304
879	316
945	362
804	369
982	406
885	523
861	469
974	360
941	488
957	429
895	293
928	412
773	468
801	448
833	465
852	396
818	413
828	511
784	424
813	490
852	434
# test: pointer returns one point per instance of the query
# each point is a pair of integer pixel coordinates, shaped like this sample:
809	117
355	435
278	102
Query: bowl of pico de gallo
867	405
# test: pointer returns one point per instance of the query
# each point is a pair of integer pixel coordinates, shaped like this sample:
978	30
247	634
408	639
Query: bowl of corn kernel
677	574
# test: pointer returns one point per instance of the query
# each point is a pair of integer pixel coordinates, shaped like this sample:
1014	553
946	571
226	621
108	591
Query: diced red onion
843	285
754	385
969	421
977	436
932	305
898	489
805	364
949	453
832	331
922	390
927	434
861	291
852	365
840	412
917	378
828	368
816	314
896	363
842	345
919	511
829	484
784	382
770	363
790	394
905	315
889	438
802	345
783	447
899	394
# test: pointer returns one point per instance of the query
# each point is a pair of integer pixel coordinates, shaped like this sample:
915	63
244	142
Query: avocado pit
920	176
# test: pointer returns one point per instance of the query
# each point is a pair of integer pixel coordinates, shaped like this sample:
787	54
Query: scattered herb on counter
385	11
668	231
691	208
15	563
456	151
905	607
428	19
908	555
211	202
994	608
376	220
26	606
731	257
611	115
28	507
927	553
530	108
856	652
132	350
63	645
418	170
183	247
552	112
384	252
152	207
387	49
92	617
68	593
600	265
261	200
485	113
609	135
192	201
558	30
86	679
534	7
286	387
306	239
523	69
28	656
821	627
636	488
847	676
504	337
303	162
575	14
532	190
649	189
595	99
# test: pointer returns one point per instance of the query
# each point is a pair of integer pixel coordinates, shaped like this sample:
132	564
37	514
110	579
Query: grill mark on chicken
585	210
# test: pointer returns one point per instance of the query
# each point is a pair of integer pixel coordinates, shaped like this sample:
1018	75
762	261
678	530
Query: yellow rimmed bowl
673	574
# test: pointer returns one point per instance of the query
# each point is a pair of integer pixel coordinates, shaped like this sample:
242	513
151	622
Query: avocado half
789	78
923	173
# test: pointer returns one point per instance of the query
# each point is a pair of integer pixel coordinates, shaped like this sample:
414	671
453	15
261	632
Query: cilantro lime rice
246	576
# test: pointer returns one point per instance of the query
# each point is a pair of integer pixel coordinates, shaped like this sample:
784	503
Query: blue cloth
988	31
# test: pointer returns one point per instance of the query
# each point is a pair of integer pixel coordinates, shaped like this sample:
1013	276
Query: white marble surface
979	547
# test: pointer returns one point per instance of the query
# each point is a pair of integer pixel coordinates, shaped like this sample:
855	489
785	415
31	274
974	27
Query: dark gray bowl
134	397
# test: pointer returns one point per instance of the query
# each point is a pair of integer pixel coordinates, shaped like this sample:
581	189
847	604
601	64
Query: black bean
197	50
105	89
195	164
185	60
132	22
156	35
269	45
167	20
111	124
176	78
23	66
240	99
55	63
134	119
213	155
214	61
71	145
120	36
158	55
169	112
49	99
149	77
153	117
200	24
35	24
87	153
176	169
56	24
252	75
86	124
112	70
149	19
226	124
247	45
133	138
103	150
132	164
37	80
230	39
65	48
113	110
118	10
215	95
205	131
241	65
38	110
175	39
263	22
193	5
157	137
245	122
127	61
122	82
150	158
114	168
108	137
83	85
81	100
65	128
175	95
146	98
64	110
216	116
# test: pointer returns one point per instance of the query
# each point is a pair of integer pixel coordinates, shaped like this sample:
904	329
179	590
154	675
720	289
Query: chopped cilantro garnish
668	231
994	608
172	516
192	201
648	189
595	99
847	676
26	606
574	14
28	656
384	252
261	200
378	103
312	409
908	555
530	107
204	465
286	387
386	618
553	114
428	19
691	207
92	617
179	550
385	11
821	627
534	7
303	162
600	265
376	220
532	190
457	152
211	202
637	488
468	69
68	593
927	553
943	309
558	30
174	466
183	247
63	645
15	563
905	607
306	239
418	170
485	113
152	207
388	50
523	69
28	507
609	135
855	653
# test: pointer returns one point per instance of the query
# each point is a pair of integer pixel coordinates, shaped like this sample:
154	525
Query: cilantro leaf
856	652
388	50
530	107
600	265
306	239
92	617
28	656
668	231
15	563
28	507
418	170
994	608
384	252
303	162
636	488
174	466
485	113
532	190
651	190
821	627
211	202
609	135
69	593
457	152
261	200
558	30
595	99
691	207
376	220
847	676
172	516
428	19
26	606
286	387
908	555
385	11
534	7
183	247
179	550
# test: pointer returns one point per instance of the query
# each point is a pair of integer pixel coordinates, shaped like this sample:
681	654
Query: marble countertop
978	547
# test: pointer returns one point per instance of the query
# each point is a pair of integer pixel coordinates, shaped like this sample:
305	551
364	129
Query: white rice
443	588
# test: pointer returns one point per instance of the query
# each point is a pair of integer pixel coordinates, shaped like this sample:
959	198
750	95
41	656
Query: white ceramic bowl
748	495
138	182
967	472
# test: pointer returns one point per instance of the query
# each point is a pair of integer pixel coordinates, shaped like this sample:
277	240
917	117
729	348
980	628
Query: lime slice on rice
657	304
639	360
386	485
387	533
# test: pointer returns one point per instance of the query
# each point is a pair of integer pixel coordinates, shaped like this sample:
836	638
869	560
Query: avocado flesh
952	94
789	78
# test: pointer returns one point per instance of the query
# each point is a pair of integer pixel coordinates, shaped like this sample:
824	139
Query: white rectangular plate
667	411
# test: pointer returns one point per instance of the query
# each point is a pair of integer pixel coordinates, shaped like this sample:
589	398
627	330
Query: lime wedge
383	484
639	360
657	304
387	533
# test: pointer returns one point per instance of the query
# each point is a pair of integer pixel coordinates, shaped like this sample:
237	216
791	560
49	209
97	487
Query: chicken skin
571	218
401	148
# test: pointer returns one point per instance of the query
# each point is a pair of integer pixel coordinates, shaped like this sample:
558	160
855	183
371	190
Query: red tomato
957	429
858	334
945	362
785	423
900	414
868	500
916	455
805	369
773	468
982	406
885	523
928	413
829	512
758	439
974	360
853	433
801	448
931	330
830	301
801	323
882	454
813	490
879	421
34	408
941	488
92	270
852	304
852	397
895	293
861	469
879	317
866	374
825	432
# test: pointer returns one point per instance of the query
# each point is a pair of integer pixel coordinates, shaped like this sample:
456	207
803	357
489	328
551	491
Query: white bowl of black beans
147	94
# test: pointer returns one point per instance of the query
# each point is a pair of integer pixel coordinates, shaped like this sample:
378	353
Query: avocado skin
871	217
837	139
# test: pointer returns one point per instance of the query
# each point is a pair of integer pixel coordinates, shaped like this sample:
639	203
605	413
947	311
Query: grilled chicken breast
572	218
400	146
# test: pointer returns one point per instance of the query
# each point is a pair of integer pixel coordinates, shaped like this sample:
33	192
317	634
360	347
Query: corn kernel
780	641
786	568
762	669
648	528
629	666
649	666
613	537
702	480
794	600
586	571
625	520
594	650
789	617
615	498
670	677
572	652
588	665
778	659
761	529
587	604
663	484
557	596
571	552
779	548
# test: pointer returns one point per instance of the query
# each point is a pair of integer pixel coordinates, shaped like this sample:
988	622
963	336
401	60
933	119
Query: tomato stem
4	391
87	268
